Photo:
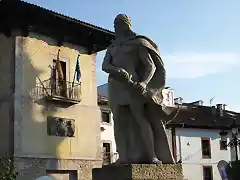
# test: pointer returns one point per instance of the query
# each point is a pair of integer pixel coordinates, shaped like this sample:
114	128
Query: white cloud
194	65
186	65
233	107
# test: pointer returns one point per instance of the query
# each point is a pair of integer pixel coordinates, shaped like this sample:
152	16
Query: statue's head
122	23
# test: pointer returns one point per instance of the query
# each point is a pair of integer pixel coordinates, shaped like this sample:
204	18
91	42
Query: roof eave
182	125
25	13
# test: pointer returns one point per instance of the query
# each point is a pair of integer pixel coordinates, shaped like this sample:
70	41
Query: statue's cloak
154	90
157	83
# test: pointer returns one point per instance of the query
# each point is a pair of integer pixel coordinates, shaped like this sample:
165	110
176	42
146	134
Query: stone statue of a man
136	79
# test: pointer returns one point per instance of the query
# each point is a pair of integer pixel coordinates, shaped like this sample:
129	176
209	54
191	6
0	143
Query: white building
110	154
194	136
197	162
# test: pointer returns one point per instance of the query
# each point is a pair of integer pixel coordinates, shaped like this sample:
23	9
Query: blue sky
199	40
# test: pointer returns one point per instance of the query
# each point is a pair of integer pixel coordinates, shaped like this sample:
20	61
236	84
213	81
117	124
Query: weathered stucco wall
34	54
6	92
189	149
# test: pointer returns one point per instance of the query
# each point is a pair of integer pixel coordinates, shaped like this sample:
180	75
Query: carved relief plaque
57	126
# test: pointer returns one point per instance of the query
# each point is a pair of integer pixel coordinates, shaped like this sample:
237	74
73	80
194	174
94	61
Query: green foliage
7	169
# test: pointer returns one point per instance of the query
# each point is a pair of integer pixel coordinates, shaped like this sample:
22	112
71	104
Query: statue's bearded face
121	27
122	24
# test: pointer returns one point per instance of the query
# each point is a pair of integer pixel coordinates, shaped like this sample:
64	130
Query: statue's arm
107	65
148	63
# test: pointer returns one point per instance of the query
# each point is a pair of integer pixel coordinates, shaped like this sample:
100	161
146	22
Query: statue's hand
120	75
141	86
123	74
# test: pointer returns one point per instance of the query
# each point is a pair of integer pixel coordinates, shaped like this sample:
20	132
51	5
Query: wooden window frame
211	171
210	154
109	116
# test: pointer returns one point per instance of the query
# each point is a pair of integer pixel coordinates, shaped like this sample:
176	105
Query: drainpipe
180	148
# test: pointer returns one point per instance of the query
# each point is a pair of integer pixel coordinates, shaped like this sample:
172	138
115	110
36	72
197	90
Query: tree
7	171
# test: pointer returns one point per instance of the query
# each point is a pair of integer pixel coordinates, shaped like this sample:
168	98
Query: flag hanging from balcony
53	72
59	67
77	69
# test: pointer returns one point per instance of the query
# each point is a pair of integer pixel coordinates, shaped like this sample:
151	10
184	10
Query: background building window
105	117
106	153
222	145
207	173
206	148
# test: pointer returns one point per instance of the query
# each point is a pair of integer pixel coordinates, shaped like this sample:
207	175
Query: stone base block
234	172
138	172
74	169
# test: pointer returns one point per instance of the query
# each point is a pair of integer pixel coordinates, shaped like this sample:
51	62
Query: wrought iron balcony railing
59	90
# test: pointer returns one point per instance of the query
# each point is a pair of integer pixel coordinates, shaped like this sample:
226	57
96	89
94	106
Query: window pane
206	148
105	117
207	173
106	153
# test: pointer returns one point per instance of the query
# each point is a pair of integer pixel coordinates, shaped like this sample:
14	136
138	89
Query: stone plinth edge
139	172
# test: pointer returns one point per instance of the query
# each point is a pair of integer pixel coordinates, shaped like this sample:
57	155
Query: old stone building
50	121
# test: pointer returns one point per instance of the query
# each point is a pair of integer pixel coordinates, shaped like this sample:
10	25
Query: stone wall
235	170
34	54
32	168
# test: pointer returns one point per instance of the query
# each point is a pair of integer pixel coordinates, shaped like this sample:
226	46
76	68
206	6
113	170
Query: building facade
50	121
200	150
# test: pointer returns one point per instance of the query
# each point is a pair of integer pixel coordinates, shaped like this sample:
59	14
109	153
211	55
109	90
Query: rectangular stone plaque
63	127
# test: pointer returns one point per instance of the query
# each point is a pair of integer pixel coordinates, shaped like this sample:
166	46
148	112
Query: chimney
213	111
178	100
200	102
220	110
168	97
196	103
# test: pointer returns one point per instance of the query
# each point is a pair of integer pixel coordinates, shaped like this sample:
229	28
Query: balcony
59	90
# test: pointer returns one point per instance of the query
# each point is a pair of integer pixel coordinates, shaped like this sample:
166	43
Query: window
207	173
63	127
106	153
105	117
206	148
59	86
64	68
222	145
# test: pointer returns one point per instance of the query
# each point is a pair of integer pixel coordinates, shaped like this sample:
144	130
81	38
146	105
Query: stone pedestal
138	172
235	170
